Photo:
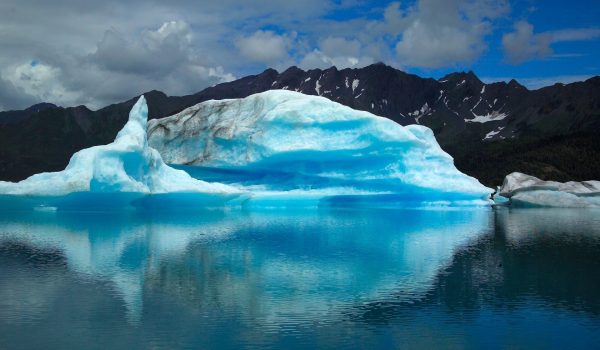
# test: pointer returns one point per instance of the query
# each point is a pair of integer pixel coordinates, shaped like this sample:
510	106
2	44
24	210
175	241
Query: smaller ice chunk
527	190
545	198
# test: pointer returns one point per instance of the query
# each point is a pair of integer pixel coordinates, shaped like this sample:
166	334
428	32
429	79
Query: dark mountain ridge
17	115
490	129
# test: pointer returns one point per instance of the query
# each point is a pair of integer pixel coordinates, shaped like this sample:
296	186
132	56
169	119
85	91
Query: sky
74	52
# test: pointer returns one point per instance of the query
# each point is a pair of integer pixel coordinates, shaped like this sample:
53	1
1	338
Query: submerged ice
276	148
284	144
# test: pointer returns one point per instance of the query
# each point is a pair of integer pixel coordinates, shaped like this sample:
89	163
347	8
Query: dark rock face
490	129
8	117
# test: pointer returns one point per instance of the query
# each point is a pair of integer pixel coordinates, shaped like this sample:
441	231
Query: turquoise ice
273	149
284	146
119	175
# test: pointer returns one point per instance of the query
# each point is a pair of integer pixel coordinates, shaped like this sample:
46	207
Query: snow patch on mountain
493	133
355	83
490	117
419	113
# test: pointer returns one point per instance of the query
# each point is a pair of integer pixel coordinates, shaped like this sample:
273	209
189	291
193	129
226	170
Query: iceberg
528	191
127	167
282	145
273	149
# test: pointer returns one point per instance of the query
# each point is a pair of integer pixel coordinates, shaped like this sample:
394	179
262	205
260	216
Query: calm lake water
487	278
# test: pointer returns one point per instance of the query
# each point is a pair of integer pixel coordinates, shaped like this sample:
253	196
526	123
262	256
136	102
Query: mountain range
491	130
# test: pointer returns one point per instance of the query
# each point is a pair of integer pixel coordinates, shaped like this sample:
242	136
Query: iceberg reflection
268	267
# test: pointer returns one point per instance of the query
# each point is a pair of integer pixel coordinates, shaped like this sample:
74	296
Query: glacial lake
480	278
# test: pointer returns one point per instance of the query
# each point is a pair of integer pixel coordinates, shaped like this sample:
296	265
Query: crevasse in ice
282	144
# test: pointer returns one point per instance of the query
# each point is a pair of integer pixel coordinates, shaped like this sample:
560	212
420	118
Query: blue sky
73	52
570	60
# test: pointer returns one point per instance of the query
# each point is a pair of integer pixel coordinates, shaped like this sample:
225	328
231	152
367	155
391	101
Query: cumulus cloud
12	97
336	46
164	59
336	51
440	33
96	53
523	44
38	80
101	52
152	53
265	47
118	67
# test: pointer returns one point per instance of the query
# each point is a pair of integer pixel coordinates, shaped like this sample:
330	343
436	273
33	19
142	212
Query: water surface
301	279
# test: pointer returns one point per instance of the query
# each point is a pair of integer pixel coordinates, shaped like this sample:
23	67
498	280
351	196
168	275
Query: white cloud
119	67
39	80
264	47
336	51
101	52
153	52
336	46
105	52
12	97
441	33
180	30
434	47
523	44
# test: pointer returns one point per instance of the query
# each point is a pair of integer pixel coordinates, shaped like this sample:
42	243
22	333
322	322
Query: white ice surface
526	190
